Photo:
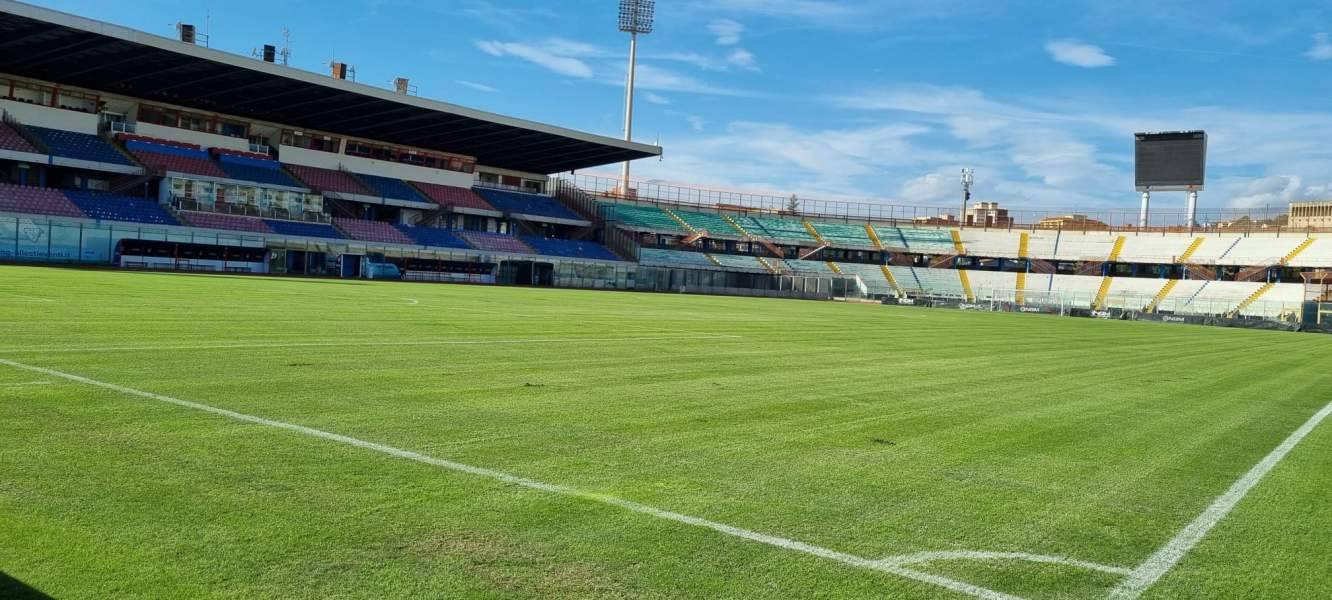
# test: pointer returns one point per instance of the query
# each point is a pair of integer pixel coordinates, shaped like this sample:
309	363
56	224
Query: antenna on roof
269	53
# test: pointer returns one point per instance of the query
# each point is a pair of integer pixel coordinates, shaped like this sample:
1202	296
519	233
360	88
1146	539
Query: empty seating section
989	284
940	282
11	140
1256	250
674	258
873	277
781	230
387	187
448	195
328	180
229	222
1154	248
1086	246
993	244
114	207
813	267
840	234
172	157
295	228
929	241
372	231
433	236
643	217
569	248
495	242
256	170
712	223
527	204
79	146
38	201
735	261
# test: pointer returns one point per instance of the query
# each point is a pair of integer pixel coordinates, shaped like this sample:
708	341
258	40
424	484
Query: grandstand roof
63	48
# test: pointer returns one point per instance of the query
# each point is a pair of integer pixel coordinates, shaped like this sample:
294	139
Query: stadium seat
735	261
433	236
811	267
328	180
11	140
495	242
37	201
174	157
712	223
648	218
372	231
209	220
842	234
297	228
447	195
674	258
527	204
570	248
115	207
257	170
872	276
779	230
387	187
79	146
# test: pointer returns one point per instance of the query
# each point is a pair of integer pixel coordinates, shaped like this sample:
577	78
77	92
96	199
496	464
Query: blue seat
527	204
79	146
114	207
258	171
433	236
387	187
570	248
302	229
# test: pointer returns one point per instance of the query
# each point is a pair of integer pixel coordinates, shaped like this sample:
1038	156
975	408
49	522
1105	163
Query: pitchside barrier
1214	312
731	283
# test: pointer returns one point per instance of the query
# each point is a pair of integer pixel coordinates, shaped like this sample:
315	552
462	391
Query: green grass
869	430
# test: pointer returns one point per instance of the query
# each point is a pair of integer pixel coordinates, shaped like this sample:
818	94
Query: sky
885	100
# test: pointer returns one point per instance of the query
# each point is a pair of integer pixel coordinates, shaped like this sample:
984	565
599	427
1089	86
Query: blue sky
882	99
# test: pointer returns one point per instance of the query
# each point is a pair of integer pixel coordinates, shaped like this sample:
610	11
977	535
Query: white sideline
1152	569
23	383
338	344
753	536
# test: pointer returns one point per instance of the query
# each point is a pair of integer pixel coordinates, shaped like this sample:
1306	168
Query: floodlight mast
636	17
968	178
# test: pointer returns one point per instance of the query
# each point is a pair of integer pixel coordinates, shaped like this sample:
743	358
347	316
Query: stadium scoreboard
1170	162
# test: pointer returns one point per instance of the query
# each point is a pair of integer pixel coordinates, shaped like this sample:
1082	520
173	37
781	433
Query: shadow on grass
13	589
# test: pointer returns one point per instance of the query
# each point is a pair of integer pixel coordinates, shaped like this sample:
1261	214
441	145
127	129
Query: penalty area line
745	534
1169	555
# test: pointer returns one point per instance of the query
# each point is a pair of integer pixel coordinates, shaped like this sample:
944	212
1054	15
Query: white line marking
411	301
1173	551
925	557
753	536
23	298
23	383
336	344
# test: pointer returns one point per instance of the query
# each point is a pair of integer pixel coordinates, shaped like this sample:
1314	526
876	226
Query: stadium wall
204	139
358	164
51	117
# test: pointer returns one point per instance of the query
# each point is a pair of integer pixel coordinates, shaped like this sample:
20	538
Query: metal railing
247	210
1090	220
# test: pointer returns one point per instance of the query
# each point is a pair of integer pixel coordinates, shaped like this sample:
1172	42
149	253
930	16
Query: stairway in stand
1252	299
1102	293
1161	296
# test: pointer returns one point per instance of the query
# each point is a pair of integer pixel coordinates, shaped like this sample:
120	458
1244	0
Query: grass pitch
870	431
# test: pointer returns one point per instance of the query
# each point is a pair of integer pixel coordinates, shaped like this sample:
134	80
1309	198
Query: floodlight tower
968	178
636	18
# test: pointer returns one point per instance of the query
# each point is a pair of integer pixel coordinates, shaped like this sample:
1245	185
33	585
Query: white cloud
481	87
1079	54
726	31
657	99
743	59
696	122
1322	48
561	56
